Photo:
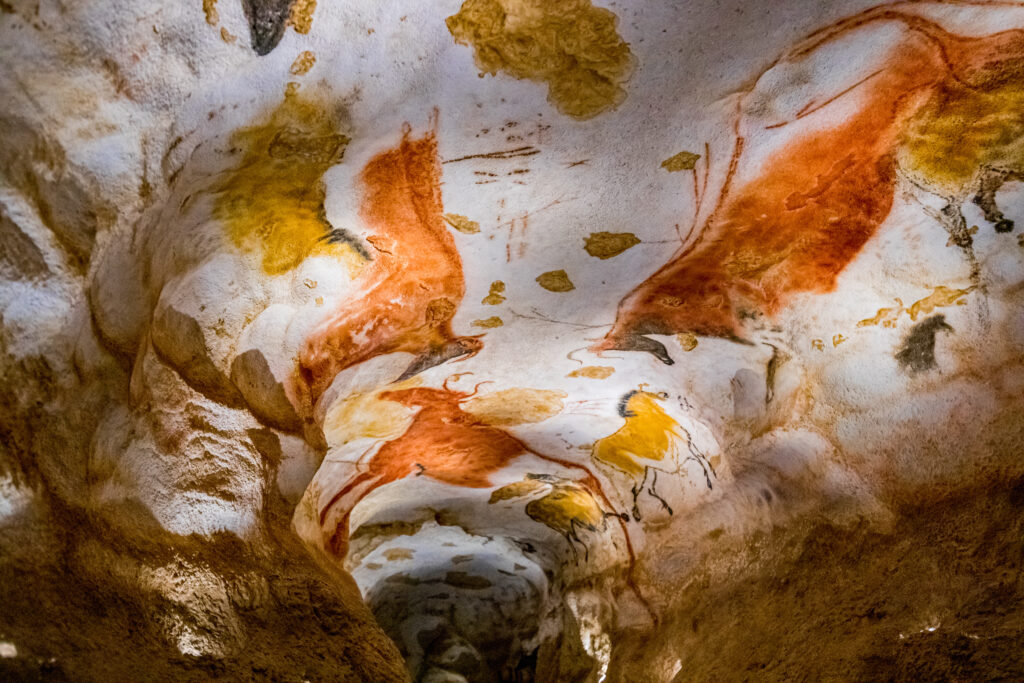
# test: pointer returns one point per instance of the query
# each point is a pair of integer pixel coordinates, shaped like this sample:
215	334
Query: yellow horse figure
648	437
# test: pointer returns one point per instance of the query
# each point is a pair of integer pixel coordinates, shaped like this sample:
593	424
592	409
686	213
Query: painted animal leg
637	490
653	492
573	532
701	459
952	219
992	180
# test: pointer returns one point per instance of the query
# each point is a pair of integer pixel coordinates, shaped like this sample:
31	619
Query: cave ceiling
511	340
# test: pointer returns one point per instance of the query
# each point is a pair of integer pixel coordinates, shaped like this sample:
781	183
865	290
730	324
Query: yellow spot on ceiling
303	63
941	296
817	345
837	339
462	224
605	245
555	281
593	372
301	16
272	202
210	10
516	406
687	340
493	321
570	45
494	296
886	317
227	36
684	161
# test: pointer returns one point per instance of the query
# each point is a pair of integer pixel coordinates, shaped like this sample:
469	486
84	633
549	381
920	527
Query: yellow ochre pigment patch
593	372
961	129
272	203
684	161
516	406
605	245
570	45
495	295
493	321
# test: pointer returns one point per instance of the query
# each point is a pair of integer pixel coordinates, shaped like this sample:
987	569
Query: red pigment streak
447	444
413	285
820	199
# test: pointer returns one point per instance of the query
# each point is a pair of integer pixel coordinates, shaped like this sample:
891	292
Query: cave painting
226	327
413	283
272	202
819	199
565	507
444	442
647	443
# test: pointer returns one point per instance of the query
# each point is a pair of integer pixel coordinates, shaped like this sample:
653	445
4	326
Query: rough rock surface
511	340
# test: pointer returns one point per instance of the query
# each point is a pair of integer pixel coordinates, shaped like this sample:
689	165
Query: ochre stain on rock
516	406
272	202
886	317
410	290
301	16
687	340
684	161
570	45
493	321
794	227
555	281
495	294
210	10
605	245
593	372
941	297
303	63
462	224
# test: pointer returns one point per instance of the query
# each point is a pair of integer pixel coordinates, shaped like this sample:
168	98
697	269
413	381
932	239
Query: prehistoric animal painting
566	507
272	202
942	113
647	443
412	286
443	442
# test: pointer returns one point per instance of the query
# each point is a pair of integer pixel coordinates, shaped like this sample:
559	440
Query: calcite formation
511	340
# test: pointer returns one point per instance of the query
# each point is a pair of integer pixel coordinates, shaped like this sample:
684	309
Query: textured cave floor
819	602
